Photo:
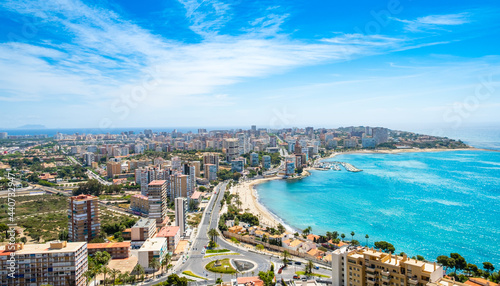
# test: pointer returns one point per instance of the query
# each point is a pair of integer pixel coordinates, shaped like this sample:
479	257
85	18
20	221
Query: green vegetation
220	254
267	277
385	246
33	205
311	274
221	266
93	187
174	280
217	250
189	273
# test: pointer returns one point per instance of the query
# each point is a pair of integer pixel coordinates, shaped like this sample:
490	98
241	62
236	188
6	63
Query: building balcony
386	278
370	275
386	273
371	282
413	281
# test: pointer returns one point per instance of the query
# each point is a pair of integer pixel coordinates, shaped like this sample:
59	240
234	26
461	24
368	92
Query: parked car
304	278
298	262
296	277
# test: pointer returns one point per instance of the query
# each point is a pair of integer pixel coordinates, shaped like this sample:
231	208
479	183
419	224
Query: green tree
212	233
104	270
367	236
385	246
460	262
63	235
307	230
4	227
309	267
286	256
139	270
102	257
155	264
352	235
114	273
343	236
267	277
165	262
488	266
259	247
281	228
420	258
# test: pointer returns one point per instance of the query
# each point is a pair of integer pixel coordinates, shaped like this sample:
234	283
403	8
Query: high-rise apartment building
179	186
180	214
266	162
211	158
157	198
369	267
232	149
113	168
254	159
57	263
211	172
380	134
83	218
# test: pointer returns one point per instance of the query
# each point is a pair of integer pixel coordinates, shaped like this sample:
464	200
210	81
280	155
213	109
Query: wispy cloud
435	22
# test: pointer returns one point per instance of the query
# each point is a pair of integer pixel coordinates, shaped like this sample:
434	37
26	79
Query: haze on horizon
70	64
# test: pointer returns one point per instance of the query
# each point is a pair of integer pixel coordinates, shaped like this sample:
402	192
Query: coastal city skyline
249	143
281	63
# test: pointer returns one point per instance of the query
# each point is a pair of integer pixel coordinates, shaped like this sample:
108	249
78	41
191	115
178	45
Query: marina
335	165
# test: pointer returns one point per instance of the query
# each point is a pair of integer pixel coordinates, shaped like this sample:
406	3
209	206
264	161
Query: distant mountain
32	126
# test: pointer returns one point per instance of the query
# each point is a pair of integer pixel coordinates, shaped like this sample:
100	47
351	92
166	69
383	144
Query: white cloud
435	22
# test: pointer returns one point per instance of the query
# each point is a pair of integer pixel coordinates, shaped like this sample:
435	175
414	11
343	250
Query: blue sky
277	64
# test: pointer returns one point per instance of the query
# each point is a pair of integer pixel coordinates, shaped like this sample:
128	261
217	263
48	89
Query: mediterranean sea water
424	203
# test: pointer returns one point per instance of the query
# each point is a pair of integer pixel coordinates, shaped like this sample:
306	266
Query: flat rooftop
168	231
153	244
157	183
108	245
44	248
144	222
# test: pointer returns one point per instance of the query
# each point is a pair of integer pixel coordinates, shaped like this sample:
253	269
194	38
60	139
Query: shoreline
250	199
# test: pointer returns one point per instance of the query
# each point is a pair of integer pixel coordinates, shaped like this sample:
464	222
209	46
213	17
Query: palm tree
309	267
307	230
89	274
212	233
352	235
113	273
367	236
165	261
329	235
104	270
138	270
343	236
155	264
285	255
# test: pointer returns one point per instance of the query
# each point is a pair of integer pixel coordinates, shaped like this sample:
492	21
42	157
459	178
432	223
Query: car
298	263
304	278
296	277
316	267
290	263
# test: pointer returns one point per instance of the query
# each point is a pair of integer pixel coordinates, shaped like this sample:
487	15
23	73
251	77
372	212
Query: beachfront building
157	198
232	148
369	267
290	165
368	142
57	263
254	159
83	218
237	165
155	247
266	162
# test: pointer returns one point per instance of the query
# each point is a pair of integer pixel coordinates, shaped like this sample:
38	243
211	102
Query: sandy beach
250	203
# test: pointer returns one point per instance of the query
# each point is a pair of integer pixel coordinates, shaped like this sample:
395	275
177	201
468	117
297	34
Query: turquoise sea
424	203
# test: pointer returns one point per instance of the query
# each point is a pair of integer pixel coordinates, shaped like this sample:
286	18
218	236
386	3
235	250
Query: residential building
232	149
380	134
139	203
254	159
350	143
157	197
172	234
266	162
113	169
83	218
368	142
237	165
56	263
155	247
143	229
290	165
117	250
179	186
369	267
211	172
180	214
197	167
211	158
